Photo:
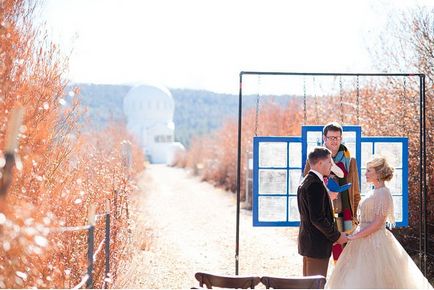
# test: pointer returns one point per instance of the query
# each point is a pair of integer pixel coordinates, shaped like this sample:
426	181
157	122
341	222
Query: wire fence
6	177
92	254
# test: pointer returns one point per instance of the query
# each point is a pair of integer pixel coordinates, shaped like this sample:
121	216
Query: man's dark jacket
317	232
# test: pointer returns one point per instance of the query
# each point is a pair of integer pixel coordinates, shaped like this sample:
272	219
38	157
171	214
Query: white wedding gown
377	260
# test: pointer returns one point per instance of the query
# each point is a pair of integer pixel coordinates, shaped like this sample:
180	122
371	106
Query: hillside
197	112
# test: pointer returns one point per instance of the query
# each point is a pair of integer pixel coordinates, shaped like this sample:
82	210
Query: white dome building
149	111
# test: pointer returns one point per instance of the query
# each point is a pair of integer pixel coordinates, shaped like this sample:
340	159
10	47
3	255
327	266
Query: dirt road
192	226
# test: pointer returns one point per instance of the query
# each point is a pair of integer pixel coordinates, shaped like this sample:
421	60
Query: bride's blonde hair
381	167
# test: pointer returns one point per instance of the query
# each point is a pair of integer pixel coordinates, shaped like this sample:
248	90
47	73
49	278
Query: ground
192	227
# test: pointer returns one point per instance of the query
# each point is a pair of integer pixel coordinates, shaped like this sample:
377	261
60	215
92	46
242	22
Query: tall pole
421	197
90	246
107	244
425	229
237	238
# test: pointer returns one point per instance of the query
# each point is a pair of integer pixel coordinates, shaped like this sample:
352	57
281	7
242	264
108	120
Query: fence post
115	203
11	143
90	245
107	244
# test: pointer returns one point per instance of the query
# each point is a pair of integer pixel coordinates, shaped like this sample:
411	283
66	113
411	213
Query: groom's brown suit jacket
317	231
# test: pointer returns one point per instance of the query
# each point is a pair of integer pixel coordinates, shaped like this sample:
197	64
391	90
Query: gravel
181	226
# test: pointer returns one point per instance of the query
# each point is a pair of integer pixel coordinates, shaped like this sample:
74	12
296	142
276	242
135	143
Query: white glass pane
295	155
349	137
395	185
294	180
366	152
309	148
397	208
272	154
365	186
392	151
352	148
314	138
294	215
271	209
349	140
272	181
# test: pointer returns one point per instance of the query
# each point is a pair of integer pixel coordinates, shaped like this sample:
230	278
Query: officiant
344	171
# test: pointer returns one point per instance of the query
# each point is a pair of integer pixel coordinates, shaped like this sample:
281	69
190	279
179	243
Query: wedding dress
377	260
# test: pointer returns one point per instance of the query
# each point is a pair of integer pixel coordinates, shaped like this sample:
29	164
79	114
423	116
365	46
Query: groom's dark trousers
317	231
312	266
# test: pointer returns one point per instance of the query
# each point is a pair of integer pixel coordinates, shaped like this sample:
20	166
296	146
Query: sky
204	44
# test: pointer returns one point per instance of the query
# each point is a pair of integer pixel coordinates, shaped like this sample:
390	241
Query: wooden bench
244	282
308	282
224	281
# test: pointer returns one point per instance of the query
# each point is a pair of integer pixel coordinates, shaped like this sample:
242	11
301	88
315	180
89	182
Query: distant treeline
197	112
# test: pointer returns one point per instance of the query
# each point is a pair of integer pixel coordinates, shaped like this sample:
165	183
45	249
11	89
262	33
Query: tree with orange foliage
217	153
63	172
408	44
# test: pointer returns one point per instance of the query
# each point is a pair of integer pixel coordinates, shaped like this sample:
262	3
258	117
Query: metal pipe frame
423	231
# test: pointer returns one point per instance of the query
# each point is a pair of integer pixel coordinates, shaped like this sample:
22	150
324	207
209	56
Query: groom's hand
333	195
342	239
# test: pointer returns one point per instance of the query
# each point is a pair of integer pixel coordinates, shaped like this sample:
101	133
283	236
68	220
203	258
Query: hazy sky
205	44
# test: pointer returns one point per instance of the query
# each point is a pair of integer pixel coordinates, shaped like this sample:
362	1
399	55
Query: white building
149	111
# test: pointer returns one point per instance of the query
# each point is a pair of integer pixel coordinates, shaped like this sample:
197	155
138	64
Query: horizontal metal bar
72	229
98	250
69	229
329	74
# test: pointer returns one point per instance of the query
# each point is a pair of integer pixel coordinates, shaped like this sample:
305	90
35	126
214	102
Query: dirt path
192	226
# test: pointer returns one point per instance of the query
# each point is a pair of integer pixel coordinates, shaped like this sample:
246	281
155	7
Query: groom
318	231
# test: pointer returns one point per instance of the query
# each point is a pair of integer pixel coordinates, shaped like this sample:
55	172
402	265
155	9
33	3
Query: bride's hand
351	237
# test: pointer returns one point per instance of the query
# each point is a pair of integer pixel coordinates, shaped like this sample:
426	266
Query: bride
373	258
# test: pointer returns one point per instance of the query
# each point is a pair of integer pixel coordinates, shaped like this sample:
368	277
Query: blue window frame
278	164
277	170
395	149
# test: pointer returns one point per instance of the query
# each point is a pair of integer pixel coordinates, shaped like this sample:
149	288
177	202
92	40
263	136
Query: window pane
272	181
366	153
314	138
392	151
395	185
294	180
349	140
295	155
271	208
397	206
272	154
294	215
349	137
365	186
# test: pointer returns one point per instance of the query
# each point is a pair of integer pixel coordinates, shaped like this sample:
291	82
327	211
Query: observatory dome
149	102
